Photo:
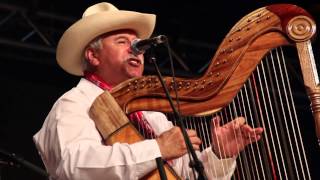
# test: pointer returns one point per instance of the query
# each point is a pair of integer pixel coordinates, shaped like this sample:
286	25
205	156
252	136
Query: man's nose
130	49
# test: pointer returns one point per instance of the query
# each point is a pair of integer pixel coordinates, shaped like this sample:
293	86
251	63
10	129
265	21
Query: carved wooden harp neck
237	56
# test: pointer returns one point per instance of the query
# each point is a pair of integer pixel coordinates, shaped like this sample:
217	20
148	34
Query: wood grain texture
115	127
238	55
236	58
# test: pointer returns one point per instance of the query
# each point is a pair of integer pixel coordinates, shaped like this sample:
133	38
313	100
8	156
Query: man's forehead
119	33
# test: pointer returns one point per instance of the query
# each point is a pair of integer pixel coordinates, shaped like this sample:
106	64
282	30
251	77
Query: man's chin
135	74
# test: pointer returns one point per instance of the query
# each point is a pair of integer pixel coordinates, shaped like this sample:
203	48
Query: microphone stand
160	166
159	160
196	163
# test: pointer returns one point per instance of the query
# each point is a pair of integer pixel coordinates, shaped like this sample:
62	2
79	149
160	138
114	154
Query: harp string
242	159
296	123
265	100
283	126
246	154
293	162
270	116
261	119
252	102
250	151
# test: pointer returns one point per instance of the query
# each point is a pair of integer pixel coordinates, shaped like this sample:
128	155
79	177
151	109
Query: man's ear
91	57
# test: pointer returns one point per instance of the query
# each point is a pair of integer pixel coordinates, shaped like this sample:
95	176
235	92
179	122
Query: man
98	48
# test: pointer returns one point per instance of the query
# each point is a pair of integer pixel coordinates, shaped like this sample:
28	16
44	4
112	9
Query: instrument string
265	100
250	147
292	114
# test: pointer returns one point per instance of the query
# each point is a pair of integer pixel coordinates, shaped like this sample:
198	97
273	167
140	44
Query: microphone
139	46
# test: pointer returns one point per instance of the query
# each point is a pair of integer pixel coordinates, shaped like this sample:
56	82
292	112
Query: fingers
191	132
238	122
247	128
252	139
249	131
251	135
172	144
194	139
216	121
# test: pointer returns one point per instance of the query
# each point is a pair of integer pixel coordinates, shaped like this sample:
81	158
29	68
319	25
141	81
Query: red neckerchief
137	117
97	80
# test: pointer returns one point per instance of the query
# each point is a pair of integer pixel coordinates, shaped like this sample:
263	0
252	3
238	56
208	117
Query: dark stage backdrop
31	81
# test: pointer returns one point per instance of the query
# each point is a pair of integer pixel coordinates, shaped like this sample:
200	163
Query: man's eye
122	42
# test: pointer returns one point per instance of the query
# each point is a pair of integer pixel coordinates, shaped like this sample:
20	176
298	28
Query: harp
248	76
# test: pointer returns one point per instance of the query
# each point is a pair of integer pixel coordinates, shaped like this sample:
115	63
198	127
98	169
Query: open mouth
135	62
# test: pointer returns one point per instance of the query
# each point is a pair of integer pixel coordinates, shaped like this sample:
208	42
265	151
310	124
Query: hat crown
100	7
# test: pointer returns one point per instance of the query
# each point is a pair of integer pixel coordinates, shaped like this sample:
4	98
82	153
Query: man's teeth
134	61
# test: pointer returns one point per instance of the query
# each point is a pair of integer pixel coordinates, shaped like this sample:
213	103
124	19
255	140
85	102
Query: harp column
301	29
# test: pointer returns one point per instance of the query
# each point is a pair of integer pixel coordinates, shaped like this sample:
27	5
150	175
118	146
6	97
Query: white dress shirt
72	148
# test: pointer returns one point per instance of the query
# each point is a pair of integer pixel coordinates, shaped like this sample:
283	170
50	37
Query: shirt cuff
145	152
219	167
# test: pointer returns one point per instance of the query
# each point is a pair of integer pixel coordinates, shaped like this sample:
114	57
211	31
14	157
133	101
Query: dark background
31	81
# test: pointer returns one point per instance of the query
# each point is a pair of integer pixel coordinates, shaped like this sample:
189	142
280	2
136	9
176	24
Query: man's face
117	62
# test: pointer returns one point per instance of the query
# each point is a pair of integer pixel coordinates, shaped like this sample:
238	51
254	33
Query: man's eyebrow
121	37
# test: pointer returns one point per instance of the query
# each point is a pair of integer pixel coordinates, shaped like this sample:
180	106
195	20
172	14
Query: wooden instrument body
237	56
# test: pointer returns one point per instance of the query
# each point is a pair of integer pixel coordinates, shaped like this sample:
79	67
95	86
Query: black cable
18	161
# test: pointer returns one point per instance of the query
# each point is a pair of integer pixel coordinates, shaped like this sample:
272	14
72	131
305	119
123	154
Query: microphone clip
139	46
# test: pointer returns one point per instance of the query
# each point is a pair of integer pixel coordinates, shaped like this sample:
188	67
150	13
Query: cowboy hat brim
70	49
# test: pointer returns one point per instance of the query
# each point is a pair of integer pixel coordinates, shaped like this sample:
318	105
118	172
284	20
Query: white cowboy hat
96	20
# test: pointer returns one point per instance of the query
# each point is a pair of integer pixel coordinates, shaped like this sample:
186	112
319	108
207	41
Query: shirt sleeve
72	148
217	168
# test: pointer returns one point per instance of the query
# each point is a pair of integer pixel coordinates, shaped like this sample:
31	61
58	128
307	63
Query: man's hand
228	140
172	144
